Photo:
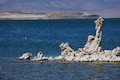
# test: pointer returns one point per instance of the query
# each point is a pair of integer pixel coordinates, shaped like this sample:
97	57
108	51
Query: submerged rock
25	56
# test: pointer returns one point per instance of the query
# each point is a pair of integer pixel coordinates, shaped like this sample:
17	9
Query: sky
105	8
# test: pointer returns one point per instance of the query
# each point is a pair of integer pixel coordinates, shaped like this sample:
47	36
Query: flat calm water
20	36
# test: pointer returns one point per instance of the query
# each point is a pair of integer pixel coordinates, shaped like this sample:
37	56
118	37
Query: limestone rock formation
45	58
67	52
65	49
38	57
51	58
59	57
94	43
92	50
25	56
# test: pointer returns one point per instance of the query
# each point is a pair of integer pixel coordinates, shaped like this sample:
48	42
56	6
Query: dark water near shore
20	36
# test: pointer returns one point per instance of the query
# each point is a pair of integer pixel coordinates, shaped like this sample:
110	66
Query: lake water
20	36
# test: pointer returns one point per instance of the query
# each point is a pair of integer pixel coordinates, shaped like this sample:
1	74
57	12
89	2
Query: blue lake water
20	36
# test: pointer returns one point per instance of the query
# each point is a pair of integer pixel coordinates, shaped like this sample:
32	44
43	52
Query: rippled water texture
26	70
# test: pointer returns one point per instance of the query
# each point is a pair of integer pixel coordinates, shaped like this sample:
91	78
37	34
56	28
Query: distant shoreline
53	15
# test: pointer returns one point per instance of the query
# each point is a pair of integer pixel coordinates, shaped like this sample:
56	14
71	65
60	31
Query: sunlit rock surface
92	50
38	57
25	56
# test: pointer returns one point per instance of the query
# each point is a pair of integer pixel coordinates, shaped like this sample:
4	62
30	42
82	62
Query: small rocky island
91	52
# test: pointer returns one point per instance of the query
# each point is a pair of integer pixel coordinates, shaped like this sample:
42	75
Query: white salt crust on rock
91	52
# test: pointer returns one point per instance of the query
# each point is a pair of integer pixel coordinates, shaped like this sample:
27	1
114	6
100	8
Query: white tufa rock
45	58
59	58
92	50
25	56
51	58
38	57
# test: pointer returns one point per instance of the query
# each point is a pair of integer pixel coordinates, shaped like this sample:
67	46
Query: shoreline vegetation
91	52
39	16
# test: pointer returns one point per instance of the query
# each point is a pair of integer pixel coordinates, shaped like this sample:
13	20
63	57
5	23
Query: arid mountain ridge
51	15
